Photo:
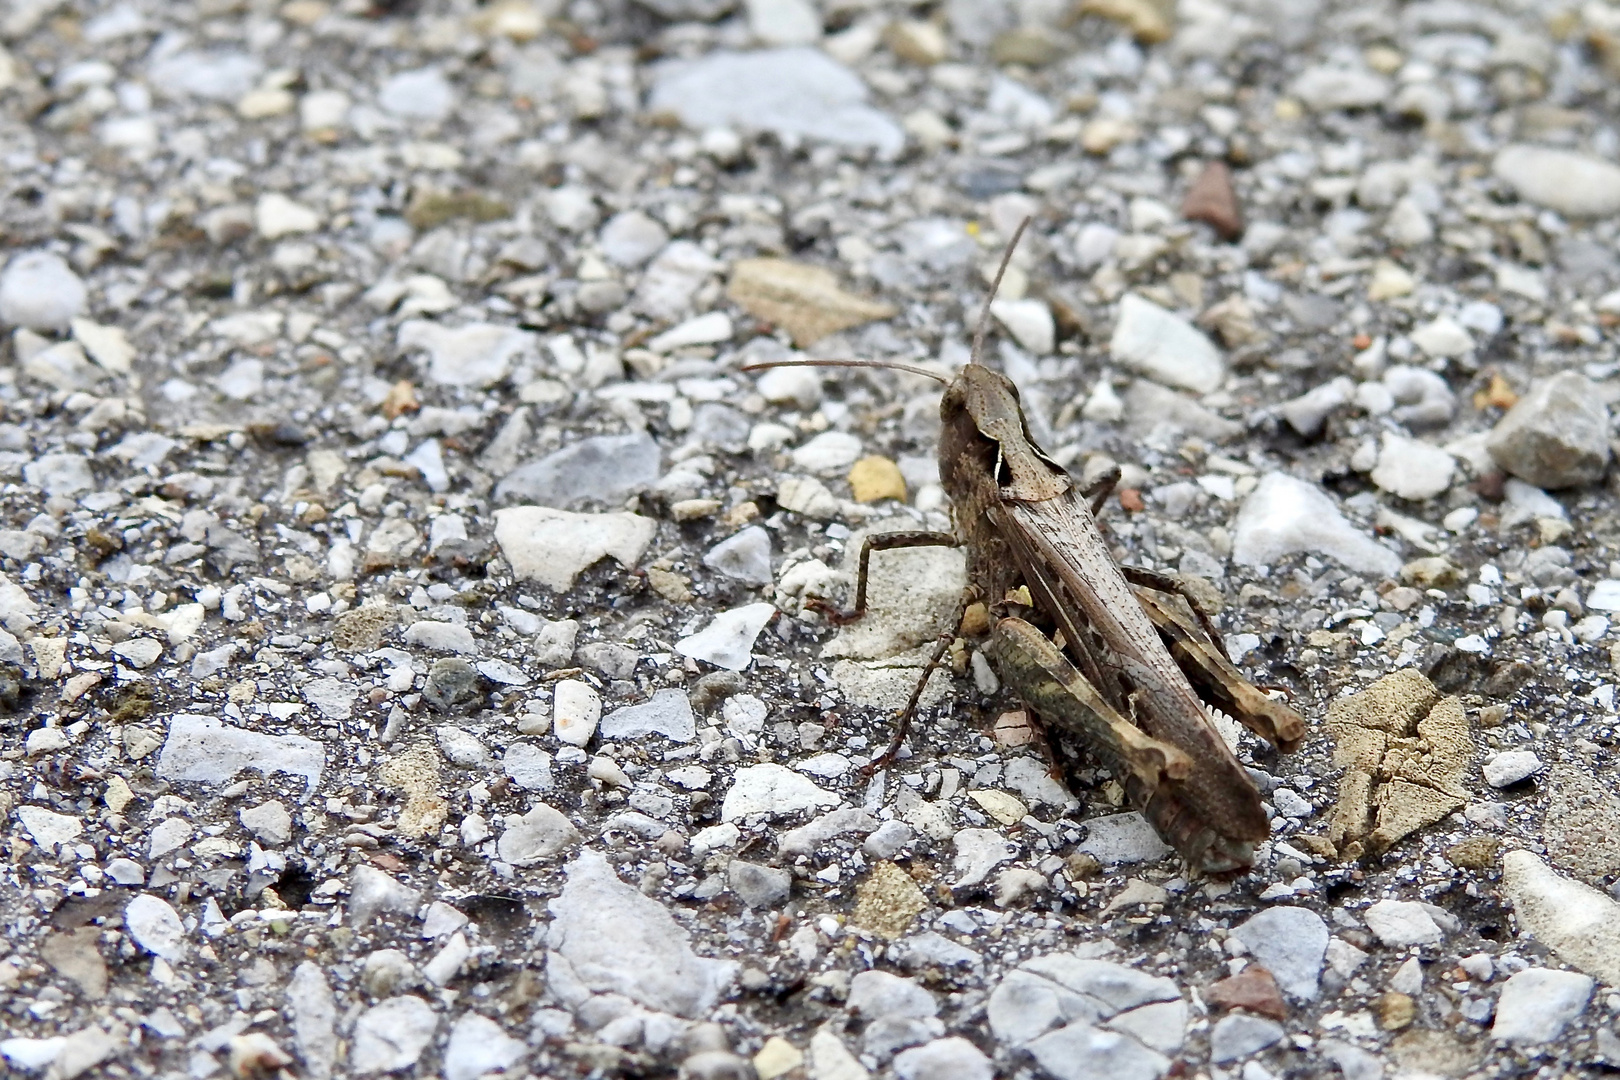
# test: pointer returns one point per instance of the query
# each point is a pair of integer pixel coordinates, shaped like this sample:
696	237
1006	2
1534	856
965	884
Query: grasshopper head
984	434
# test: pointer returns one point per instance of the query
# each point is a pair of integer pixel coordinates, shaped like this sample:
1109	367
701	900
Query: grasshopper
1120	656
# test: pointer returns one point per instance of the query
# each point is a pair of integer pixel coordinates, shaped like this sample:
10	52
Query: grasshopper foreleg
881	542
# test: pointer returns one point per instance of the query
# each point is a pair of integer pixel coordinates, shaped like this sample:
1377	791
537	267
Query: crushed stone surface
416	639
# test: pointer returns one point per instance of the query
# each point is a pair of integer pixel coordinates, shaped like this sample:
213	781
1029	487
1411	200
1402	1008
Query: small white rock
39	291
276	216
575	710
1511	766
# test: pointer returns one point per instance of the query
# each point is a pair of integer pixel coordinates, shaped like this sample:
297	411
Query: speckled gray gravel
412	649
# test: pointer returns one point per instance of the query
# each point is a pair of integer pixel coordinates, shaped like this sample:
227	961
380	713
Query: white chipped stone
710	329
1571	183
1412	469
606	938
667	713
1029	322
478	1046
392	1034
554	546
276	216
1536	1005
575	710
728	641
1165	347
1579	923
1402	922
1292	943
829	452
201	748
772	791
475	354
1284	515
1511	766
631	238
538	834
48	828
155	927
796	91
40	291
422	94
1442	338
270	822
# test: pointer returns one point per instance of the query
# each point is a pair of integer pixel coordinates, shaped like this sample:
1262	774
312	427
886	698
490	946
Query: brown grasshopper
1118	655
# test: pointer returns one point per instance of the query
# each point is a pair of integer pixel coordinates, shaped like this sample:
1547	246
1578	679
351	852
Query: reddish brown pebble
1131	499
1491	485
1254	989
1212	201
1361	341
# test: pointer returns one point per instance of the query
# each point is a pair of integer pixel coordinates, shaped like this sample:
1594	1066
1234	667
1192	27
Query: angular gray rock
791	91
1239	1035
744	557
1165	347
605	937
314	1016
1291	943
392	1034
603	469
758	886
542	832
1555	436
667	713
1536	1005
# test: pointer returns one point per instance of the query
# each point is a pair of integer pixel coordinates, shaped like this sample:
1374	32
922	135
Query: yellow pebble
1003	807
874	478
776	1057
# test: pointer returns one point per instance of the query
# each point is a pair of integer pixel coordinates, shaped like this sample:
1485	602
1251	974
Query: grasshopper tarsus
834	614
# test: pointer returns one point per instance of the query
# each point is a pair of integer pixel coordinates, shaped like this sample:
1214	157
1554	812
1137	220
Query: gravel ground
409	663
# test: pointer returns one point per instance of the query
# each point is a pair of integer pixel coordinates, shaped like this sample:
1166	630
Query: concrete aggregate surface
414	650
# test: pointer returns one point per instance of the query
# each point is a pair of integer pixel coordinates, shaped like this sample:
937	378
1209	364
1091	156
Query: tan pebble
75	688
917	42
776	1058
1005	808
118	795
873	478
888	901
670	585
1395	1010
692	509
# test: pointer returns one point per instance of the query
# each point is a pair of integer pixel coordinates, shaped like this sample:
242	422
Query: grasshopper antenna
888	365
995	286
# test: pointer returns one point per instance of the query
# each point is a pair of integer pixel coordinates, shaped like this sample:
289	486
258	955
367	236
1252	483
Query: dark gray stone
604	469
